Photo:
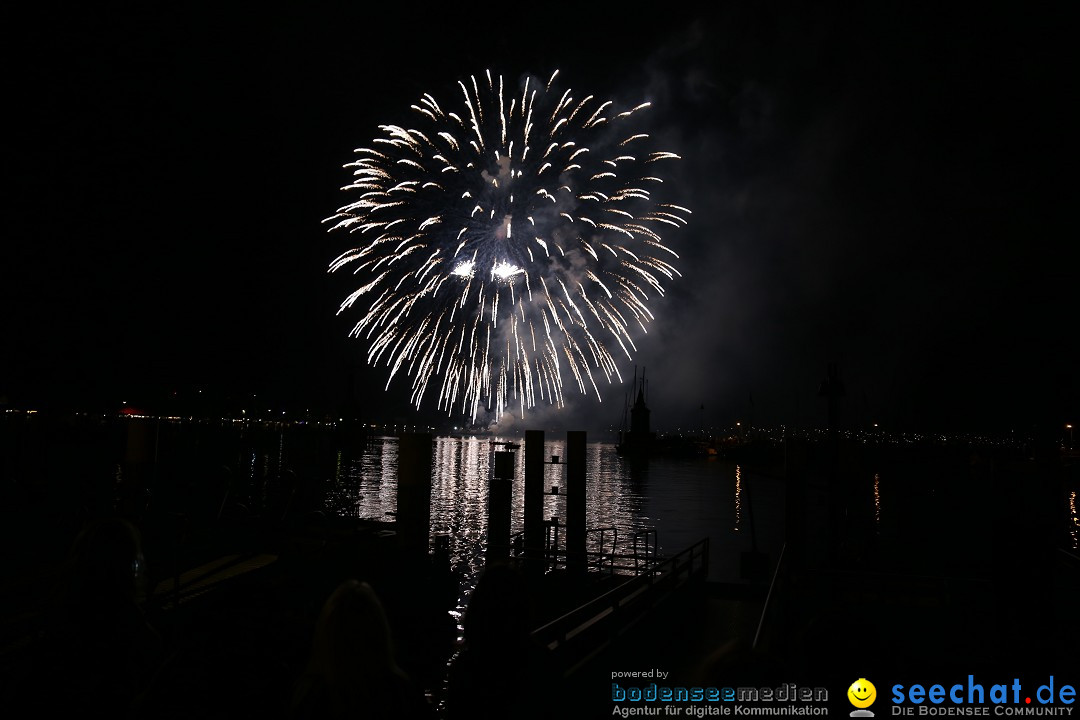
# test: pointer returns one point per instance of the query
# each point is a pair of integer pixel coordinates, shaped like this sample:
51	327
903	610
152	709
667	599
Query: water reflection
680	500
366	487
738	497
877	499
1074	528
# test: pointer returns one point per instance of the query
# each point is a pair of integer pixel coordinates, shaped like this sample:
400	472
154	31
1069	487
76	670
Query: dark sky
883	187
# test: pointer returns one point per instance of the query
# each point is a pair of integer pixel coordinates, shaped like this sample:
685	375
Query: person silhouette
352	671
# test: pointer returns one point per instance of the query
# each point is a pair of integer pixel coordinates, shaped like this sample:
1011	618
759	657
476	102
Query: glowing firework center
506	245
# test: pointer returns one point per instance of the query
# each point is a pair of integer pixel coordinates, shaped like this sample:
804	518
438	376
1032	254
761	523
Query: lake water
683	501
680	501
76	467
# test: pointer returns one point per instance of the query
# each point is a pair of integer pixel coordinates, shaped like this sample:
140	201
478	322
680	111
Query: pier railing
580	634
792	595
769	609
602	550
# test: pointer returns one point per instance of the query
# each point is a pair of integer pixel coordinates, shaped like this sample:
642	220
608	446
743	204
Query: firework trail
506	243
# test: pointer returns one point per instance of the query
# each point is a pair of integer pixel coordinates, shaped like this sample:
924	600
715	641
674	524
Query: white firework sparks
504	245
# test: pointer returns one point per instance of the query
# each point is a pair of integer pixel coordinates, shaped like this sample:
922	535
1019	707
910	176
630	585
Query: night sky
882	187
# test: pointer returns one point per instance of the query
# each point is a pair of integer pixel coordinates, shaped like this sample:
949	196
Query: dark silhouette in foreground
500	672
99	653
352	672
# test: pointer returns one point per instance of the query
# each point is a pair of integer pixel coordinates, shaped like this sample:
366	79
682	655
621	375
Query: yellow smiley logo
862	693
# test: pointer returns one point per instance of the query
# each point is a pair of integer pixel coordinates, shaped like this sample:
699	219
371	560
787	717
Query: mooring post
795	452
534	502
500	492
414	495
575	502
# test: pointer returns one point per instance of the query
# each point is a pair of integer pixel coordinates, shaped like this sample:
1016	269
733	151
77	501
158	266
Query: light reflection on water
685	500
1074	517
682	500
877	499
738	497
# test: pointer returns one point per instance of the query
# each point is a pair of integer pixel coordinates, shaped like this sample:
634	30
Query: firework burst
505	243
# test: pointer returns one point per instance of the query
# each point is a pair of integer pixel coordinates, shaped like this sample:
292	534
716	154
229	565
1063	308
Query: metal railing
603	555
580	634
645	545
851	586
602	549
